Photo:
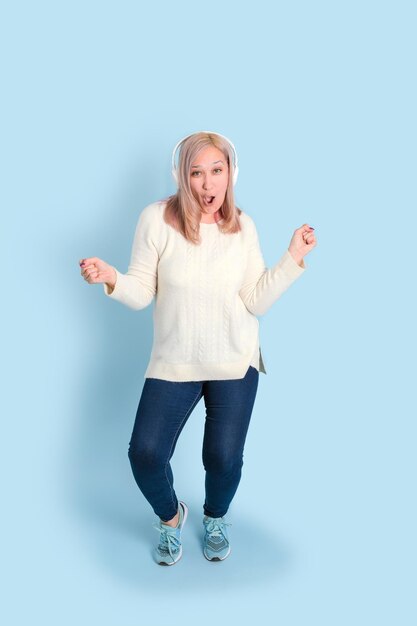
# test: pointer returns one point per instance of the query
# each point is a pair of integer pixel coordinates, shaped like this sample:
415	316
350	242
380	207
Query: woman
199	255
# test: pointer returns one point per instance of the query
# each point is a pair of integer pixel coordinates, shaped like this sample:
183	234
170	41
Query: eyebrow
212	164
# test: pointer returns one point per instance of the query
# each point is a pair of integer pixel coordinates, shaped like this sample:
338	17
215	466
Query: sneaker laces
215	528
168	541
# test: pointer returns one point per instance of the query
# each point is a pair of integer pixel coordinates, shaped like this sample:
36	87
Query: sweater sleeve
261	286
138	286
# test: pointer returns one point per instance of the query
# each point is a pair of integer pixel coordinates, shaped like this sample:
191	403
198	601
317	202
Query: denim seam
199	395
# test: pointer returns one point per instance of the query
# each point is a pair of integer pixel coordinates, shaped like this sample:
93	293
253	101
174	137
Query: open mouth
208	200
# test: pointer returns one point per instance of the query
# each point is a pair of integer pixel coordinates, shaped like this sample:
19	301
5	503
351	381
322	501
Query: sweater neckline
212	223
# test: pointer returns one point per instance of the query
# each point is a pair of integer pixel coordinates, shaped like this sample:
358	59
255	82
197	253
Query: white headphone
235	165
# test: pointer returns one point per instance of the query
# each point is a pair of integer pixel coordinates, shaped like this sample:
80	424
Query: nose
207	182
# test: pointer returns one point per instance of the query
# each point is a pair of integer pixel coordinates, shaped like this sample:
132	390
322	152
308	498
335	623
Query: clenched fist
302	242
95	270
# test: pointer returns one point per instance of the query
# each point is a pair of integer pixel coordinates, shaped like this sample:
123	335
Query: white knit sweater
207	296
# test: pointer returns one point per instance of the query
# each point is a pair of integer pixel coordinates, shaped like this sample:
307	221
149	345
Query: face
209	178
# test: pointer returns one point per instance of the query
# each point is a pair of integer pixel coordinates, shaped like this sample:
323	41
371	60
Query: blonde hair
182	210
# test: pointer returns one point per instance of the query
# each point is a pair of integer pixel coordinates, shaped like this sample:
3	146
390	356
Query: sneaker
216	541
169	550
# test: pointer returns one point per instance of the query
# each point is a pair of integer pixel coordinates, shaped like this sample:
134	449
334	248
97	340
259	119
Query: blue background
320	100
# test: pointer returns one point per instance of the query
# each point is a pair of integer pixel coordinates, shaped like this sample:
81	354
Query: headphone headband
235	164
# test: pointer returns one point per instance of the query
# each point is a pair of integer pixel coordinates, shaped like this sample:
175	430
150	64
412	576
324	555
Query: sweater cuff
117	288
290	265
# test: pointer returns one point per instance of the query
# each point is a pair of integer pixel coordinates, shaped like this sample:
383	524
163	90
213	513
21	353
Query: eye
216	169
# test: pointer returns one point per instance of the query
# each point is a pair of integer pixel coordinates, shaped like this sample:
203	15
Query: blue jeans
163	410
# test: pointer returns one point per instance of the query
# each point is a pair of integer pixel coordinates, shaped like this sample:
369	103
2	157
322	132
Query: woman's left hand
302	242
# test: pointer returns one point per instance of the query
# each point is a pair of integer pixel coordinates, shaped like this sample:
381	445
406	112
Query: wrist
111	281
297	258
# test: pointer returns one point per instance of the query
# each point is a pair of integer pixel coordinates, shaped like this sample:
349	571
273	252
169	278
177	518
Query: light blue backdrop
319	99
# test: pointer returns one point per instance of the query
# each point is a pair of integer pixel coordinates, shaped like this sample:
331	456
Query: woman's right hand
95	270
